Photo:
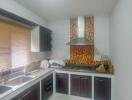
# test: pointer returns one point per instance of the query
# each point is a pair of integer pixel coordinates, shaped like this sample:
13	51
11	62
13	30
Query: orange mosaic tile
82	54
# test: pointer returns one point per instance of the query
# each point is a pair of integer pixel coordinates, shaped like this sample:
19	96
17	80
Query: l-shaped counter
67	82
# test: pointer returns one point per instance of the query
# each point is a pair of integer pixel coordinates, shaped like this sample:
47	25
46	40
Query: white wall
61	35
121	48
14	7
101	34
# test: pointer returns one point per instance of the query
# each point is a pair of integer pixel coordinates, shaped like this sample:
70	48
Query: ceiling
62	9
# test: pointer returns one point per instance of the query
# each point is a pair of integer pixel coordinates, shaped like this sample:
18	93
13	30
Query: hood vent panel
81	40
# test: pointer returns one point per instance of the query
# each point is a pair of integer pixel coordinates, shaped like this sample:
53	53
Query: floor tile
58	96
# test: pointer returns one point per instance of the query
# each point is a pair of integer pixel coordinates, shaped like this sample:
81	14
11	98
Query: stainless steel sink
4	89
18	81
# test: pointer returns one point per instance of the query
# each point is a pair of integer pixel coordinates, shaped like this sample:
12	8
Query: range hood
81	40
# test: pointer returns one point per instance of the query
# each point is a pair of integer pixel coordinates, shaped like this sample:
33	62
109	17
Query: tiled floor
66	97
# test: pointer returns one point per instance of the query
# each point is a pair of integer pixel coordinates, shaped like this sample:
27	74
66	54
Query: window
15	43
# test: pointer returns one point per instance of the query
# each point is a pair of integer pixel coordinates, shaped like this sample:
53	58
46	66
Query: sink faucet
1	72
1	76
25	69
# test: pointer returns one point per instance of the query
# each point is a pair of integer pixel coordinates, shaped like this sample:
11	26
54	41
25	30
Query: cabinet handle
75	77
48	79
80	77
85	78
49	83
48	88
100	80
27	93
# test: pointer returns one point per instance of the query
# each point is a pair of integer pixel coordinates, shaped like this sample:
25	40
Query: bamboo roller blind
14	45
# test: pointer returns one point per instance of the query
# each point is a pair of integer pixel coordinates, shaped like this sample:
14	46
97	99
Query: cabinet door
47	87
32	93
81	86
86	86
62	83
45	39
102	88
75	85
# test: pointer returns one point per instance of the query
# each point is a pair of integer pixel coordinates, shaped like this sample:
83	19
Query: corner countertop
81	70
41	74
38	75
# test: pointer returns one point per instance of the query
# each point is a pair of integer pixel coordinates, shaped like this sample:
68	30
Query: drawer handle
85	78
48	88
99	80
75	77
26	93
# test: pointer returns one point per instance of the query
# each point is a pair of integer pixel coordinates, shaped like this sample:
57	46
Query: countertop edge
17	90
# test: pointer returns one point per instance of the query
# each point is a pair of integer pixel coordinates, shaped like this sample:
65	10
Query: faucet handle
2	81
1	72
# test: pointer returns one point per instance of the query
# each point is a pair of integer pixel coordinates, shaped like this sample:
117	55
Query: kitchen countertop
81	69
90	68
83	72
38	75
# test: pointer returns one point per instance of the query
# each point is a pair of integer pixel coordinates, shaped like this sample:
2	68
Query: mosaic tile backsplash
82	54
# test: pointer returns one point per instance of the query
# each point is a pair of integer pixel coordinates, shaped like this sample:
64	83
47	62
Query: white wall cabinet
35	40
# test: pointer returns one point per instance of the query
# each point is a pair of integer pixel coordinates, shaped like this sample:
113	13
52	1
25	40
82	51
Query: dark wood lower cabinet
75	85
86	86
32	93
102	88
81	86
62	83
47	87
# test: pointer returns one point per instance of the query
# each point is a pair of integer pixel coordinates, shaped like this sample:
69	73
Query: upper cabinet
6	15
41	39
